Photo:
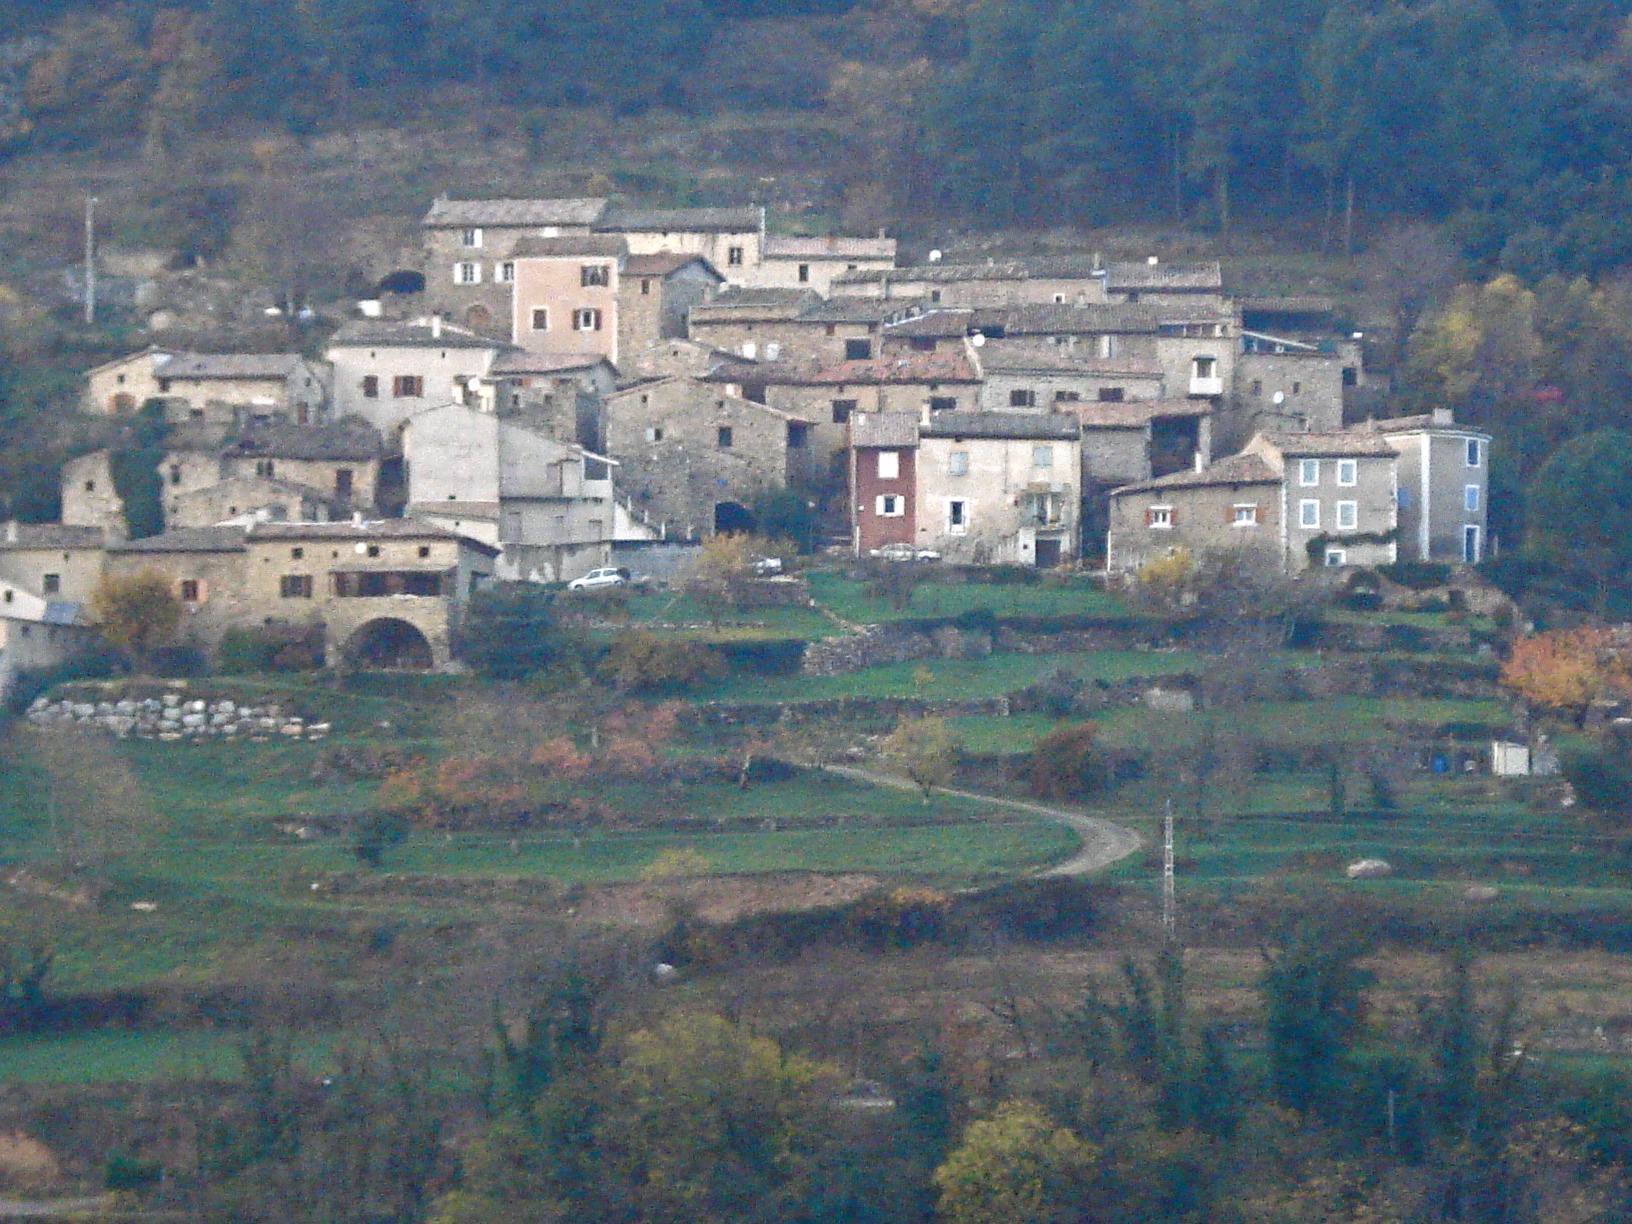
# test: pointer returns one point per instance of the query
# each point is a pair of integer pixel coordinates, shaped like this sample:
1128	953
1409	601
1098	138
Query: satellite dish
978	339
1279	397
1153	261
935	256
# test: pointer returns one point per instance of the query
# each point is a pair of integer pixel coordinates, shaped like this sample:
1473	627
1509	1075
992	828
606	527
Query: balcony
1206	386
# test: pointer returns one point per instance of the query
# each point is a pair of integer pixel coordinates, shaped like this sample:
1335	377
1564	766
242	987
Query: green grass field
848	599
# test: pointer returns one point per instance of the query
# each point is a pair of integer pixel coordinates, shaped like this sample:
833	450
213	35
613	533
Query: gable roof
1006	425
15	536
886	429
523	361
693	220
500	213
858	310
935	273
351	438
419	333
1132	414
646	385
230	365
600	246
186	540
937	322
666	263
368	529
1180	277
1329	445
953	366
1030	357
1232	470
1051	319
784	246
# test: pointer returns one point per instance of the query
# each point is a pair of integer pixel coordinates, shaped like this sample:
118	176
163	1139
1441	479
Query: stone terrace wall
172	716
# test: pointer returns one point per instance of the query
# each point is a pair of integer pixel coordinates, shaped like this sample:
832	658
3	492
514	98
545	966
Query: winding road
1103	842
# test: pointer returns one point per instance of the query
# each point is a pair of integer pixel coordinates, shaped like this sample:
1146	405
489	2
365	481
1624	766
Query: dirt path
1103	843
44	1209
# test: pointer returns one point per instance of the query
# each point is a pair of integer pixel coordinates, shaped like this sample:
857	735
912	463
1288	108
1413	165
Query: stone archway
733	518
389	644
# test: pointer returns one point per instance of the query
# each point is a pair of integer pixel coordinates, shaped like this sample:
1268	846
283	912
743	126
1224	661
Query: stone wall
173	716
880	645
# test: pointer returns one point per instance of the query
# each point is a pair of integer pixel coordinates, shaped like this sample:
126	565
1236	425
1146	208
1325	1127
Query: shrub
270	648
510	631
1067	763
1418	575
1602	782
641	660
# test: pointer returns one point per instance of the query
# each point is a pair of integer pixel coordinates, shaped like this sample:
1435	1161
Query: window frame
1251	519
957	463
890	505
1335	558
1348	472
1159	518
471	238
1473	452
1042	456
1308	473
724	437
594	276
540	318
1349	510
504	272
1309	514
467	272
1471	498
957	516
586	319
888	465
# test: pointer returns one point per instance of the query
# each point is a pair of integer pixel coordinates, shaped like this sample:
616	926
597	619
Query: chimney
436	327
11	532
1197	461
356	518
923	413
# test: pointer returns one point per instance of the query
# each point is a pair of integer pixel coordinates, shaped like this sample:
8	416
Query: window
371	386
891	505
1244	515
858	350
654	433
804	274
750	349
645	286
798	435
1309	513
297	553
1204	367
1042	456
1308	472
889	465
1473	452
1072	397
1105	347
51	584
408	386
773	350
957	516
592	276
1402	498
541	318
505	273
471	238
1348	515
90	486
469	273
1470	498
957	463
722	437
842	410
295	586
1257	387
1059	299
1470	544
373	550
424	550
586	318
1297	388
922	344
943	403
191	590
935	295
733	257
1336	557
1159	518
265	469
1022	397
1348	471
342	483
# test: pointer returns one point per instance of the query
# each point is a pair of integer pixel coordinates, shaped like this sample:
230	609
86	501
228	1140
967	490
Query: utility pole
90	261
1170	898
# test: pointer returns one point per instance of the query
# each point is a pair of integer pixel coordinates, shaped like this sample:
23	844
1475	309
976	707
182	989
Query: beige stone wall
485	306
300	400
238	496
221	589
714	247
89	498
77	571
818	272
439	368
999	477
1112	457
320	474
777	340
1204	519
555	285
1310	386
122	388
1046	388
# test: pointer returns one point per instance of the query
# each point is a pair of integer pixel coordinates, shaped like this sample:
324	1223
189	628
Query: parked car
597	579
766	566
904	552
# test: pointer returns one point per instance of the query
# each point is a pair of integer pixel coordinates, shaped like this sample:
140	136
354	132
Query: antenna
90	260
1170	898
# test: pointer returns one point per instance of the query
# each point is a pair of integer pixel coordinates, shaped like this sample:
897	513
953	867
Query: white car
596	579
766	566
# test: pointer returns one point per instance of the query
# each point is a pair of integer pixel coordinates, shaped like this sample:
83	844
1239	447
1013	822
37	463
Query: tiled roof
663	263
1131	414
1139	275
1063	267
263	483
520	361
347	439
361	333
936	273
1000	425
369	529
647	385
48	535
572	246
186	540
892	429
781	246
1049	319
910	367
674	220
502	213
1308	304
1328	445
1029	356
1416	424
230	365
1233	470
763	295
934	323
858	310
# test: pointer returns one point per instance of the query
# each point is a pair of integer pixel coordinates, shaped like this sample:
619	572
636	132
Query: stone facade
1283	392
385	372
656	295
244	498
687	449
1444	487
1233	505
791	262
52	560
225	388
89	498
1338	491
173	716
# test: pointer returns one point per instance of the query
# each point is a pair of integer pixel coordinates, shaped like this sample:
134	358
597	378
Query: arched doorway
731	518
123	404
389	644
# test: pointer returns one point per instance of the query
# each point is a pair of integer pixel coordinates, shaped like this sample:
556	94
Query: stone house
811	330
545	504
1177	284
1032	376
37	633
387	593
1137	440
332	469
656	295
828	393
1232	504
1338	497
469	245
729	239
1055	280
559	393
689	358
89	497
694	459
222	388
244	499
385	371
1444	486
793	262
52	560
979	488
749	322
